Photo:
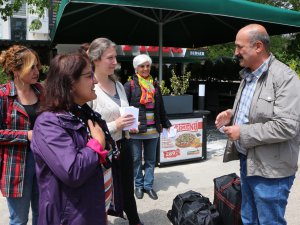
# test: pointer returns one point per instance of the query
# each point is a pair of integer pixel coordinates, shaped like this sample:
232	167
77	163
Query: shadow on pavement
152	217
169	179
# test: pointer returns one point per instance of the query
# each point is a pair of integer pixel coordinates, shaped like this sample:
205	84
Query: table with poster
189	143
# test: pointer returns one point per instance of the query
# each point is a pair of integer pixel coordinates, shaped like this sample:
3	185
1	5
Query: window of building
18	24
18	29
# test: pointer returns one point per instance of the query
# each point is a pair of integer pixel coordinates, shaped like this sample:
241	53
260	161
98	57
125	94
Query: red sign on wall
154	50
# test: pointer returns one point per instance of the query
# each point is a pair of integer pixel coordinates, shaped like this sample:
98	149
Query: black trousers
127	182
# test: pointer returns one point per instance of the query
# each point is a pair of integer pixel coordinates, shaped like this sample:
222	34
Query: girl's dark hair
64	71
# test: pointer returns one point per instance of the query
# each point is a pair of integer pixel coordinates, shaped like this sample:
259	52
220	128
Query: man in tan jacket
263	128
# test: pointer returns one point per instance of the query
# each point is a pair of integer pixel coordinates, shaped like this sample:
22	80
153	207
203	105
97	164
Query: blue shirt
251	78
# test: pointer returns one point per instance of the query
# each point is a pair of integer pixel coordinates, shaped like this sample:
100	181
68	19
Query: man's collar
249	75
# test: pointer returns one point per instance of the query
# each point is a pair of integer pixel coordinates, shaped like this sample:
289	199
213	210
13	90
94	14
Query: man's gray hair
255	35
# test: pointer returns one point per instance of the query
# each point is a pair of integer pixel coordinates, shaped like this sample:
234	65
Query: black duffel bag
192	208
228	199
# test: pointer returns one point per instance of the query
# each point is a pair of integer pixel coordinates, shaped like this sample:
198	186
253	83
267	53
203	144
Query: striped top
151	128
108	184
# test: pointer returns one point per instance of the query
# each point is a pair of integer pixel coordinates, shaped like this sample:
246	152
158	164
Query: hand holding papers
169	134
221	129
133	111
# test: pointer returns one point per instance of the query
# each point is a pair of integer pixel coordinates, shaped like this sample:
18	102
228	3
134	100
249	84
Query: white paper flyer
133	111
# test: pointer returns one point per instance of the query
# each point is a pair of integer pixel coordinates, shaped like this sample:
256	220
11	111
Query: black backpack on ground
228	199
192	208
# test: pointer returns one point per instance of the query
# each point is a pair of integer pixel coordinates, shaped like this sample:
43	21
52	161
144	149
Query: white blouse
109	109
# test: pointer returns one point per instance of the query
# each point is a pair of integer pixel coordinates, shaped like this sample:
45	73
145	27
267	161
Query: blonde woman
110	97
19	100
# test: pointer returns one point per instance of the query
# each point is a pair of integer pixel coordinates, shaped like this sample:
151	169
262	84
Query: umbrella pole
160	59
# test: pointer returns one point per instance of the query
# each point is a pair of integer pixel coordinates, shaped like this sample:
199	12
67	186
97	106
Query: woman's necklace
83	123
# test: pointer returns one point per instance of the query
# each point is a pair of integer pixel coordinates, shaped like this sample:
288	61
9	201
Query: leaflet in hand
133	111
169	134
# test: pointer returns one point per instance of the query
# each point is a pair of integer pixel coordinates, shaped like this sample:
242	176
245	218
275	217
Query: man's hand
233	132
223	118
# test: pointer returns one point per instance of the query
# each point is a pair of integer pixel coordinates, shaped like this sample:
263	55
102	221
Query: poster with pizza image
186	144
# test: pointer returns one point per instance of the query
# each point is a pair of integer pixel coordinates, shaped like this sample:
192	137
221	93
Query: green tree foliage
35	6
38	7
289	4
215	51
278	43
294	64
285	47
3	76
291	51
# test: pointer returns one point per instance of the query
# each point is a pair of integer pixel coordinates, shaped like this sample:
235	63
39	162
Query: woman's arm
163	115
10	136
56	147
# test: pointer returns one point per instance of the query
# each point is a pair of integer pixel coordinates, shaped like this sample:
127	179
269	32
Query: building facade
16	30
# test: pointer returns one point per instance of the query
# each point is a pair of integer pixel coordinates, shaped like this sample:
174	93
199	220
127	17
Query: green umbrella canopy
176	23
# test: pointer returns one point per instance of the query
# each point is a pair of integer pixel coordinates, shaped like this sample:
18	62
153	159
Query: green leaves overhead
38	7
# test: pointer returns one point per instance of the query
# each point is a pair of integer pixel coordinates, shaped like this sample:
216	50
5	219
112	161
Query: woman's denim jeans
150	146
264	200
19	207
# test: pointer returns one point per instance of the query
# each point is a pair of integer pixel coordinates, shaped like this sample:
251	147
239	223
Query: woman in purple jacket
75	154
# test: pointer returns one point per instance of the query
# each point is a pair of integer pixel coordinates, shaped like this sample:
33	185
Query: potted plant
178	102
